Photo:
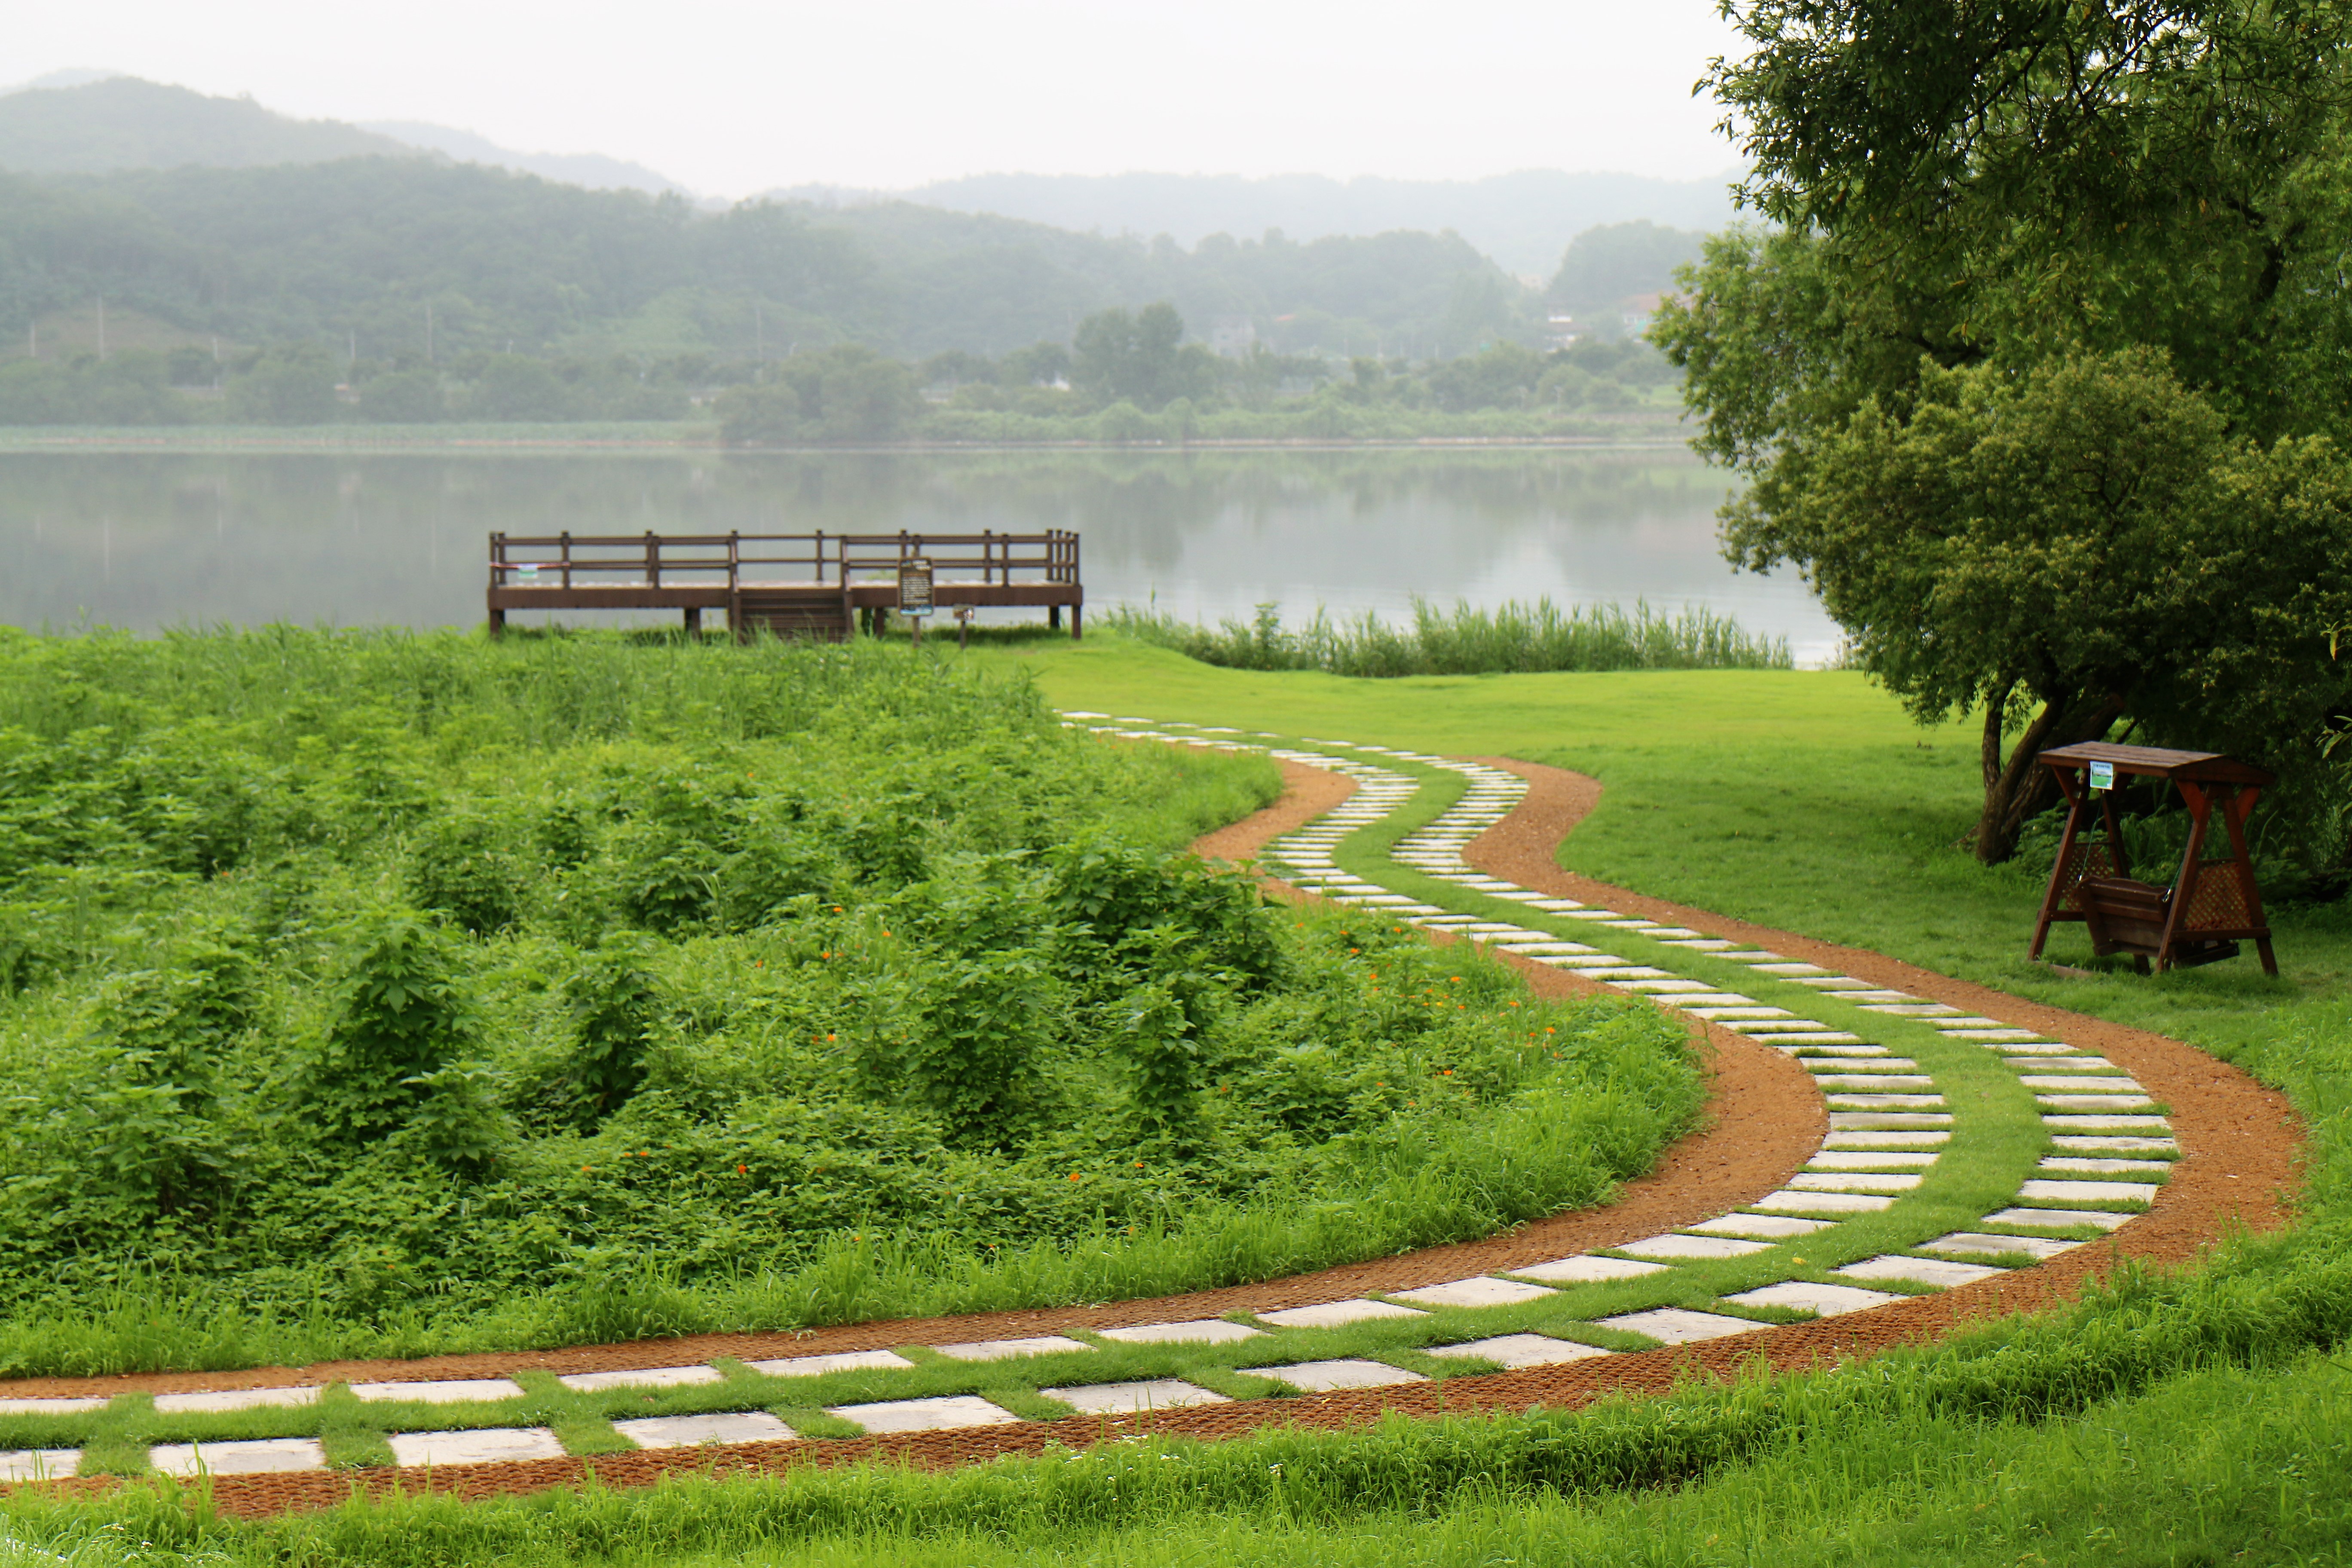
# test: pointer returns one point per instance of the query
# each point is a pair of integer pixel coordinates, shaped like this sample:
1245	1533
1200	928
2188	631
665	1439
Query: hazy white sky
730	97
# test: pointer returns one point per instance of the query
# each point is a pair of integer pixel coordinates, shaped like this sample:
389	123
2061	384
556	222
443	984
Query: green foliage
124	389
841	394
575	987
289	386
1140	359
1511	637
1605	265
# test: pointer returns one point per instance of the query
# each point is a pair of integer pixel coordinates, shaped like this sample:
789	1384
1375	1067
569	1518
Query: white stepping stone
2059	1122
441	1391
2059	1219
1883	1140
2081	1102
1673	1246
694	1431
1608	961
2120	1142
1517	1350
2101	1083
1006	1350
2090	1192
1842	1160
1821	1300
1789	971
256	1457
2089	1165
1821	1059
1654	987
1630	972
1584	1268
1790	1201
38	1464
1849	1060
1198	1331
1843	1083
1971	1021
1855	1120
1755	955
641	1377
52	1407
483	1446
1978	1242
1122	1398
1990	1035
2027	1052
1731	1007
1555	905
1940	1272
1333	1314
1911	1009
1479	1292
1827	1038
234	1399
1839	984
1880	997
1787	1023
1537	949
1770	1227
1702	944
1633	923
1853	1181
1884	1101
2042	1064
1679	1325
818	1365
1322	1376
925	1415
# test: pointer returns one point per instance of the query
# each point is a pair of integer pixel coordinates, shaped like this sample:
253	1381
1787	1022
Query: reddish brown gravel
1763	1118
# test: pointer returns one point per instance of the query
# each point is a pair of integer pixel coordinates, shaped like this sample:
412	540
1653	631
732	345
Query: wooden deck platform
799	585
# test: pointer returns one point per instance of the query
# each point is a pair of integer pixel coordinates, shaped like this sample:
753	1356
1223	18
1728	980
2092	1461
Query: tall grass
1511	638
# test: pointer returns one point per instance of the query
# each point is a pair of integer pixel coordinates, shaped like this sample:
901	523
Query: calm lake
148	541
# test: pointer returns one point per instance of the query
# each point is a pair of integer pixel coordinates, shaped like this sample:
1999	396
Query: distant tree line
427	291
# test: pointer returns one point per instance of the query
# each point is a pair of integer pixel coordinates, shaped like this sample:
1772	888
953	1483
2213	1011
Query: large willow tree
2040	365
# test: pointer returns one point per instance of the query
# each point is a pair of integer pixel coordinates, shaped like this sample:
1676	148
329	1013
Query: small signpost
915	591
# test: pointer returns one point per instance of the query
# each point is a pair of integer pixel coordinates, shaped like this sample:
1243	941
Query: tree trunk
2017	789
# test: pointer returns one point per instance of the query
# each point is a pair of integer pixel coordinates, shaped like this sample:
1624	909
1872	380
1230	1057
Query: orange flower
1073	1175
742	1169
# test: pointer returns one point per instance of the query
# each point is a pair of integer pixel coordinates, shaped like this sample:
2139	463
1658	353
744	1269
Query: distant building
1232	336
1636	309
1563	331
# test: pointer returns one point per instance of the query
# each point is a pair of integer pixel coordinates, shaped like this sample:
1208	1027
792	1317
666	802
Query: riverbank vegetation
378	993
1510	638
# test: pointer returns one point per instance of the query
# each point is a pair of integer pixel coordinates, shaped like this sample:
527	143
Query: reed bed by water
1511	638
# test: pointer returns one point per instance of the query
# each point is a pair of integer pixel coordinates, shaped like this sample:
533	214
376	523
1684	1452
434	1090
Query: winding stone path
2102	1150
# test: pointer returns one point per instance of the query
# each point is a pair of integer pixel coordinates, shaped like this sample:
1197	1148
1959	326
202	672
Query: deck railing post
653	559
816	555
567	559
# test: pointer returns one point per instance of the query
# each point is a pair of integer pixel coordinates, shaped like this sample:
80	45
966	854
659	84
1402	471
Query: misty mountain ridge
84	121
1524	220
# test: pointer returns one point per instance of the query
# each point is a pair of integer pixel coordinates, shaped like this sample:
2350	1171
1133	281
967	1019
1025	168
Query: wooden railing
655	559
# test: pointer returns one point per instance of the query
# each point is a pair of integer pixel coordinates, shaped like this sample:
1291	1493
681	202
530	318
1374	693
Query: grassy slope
1801	799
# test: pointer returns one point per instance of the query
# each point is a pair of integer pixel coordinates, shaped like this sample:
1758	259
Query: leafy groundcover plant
367	993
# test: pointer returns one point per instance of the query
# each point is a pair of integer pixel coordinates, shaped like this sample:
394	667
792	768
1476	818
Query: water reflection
150	541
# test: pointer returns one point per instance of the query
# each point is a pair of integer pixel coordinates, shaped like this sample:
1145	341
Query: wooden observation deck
821	585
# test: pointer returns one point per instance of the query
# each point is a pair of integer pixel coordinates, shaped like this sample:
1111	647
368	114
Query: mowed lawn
1803	799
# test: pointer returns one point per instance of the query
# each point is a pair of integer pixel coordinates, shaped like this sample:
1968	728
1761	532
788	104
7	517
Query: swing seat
2128	916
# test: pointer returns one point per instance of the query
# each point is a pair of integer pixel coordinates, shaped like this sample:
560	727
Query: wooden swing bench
2212	904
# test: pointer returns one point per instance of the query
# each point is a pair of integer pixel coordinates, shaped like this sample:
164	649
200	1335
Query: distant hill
121	122
375	253
592	171
1525	220
95	122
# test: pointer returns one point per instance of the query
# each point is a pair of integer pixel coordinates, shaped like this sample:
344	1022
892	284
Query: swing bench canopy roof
2153	761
